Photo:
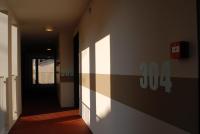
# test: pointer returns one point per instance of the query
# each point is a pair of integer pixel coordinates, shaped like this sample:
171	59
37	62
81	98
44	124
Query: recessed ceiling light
49	29
49	49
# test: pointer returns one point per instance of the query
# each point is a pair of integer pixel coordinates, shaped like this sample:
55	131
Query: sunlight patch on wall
102	64
86	114
102	55
85	54
3	59
103	106
4	44
14	50
85	68
85	62
86	96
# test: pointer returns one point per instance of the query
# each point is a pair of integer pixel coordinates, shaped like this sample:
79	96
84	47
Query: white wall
66	94
139	31
66	51
146	27
14	93
4	69
66	88
13	84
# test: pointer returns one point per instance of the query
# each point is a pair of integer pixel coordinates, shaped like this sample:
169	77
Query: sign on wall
155	76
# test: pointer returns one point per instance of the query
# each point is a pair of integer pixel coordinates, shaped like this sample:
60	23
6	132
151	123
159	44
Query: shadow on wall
96	87
111	101
97	105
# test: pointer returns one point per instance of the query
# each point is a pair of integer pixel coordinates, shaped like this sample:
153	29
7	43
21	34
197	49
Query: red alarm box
179	50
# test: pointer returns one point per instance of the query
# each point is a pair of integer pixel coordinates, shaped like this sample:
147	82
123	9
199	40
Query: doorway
76	70
39	91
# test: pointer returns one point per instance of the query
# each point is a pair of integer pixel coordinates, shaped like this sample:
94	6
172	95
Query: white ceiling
35	15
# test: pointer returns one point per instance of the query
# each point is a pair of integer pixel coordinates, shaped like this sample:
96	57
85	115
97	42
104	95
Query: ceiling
35	15
3	6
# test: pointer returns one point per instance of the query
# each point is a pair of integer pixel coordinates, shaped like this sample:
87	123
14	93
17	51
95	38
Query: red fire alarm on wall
179	50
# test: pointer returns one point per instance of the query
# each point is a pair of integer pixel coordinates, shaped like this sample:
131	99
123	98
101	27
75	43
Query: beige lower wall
66	94
14	101
12	73
178	108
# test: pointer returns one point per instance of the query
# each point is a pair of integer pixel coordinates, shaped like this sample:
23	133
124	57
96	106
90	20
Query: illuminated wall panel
102	64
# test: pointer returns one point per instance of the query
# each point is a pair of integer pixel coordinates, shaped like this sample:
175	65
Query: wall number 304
154	76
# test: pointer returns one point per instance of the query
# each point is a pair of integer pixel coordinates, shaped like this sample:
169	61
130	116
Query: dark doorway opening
39	91
76	70
198	22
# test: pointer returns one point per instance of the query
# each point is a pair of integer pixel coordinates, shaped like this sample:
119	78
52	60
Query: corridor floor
44	116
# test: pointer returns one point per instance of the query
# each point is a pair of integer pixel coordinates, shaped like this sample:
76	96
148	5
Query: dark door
76	70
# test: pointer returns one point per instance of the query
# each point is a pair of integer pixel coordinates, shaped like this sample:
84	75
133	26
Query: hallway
43	115
99	66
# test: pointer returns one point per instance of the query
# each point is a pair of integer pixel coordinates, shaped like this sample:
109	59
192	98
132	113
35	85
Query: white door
3	69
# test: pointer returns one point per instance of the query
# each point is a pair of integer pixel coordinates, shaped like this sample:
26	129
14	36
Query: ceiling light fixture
49	29
49	49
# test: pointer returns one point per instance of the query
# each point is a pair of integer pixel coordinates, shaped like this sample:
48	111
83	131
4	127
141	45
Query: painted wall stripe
179	108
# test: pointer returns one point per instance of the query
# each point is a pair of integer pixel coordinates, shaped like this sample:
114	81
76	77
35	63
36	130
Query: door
3	69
